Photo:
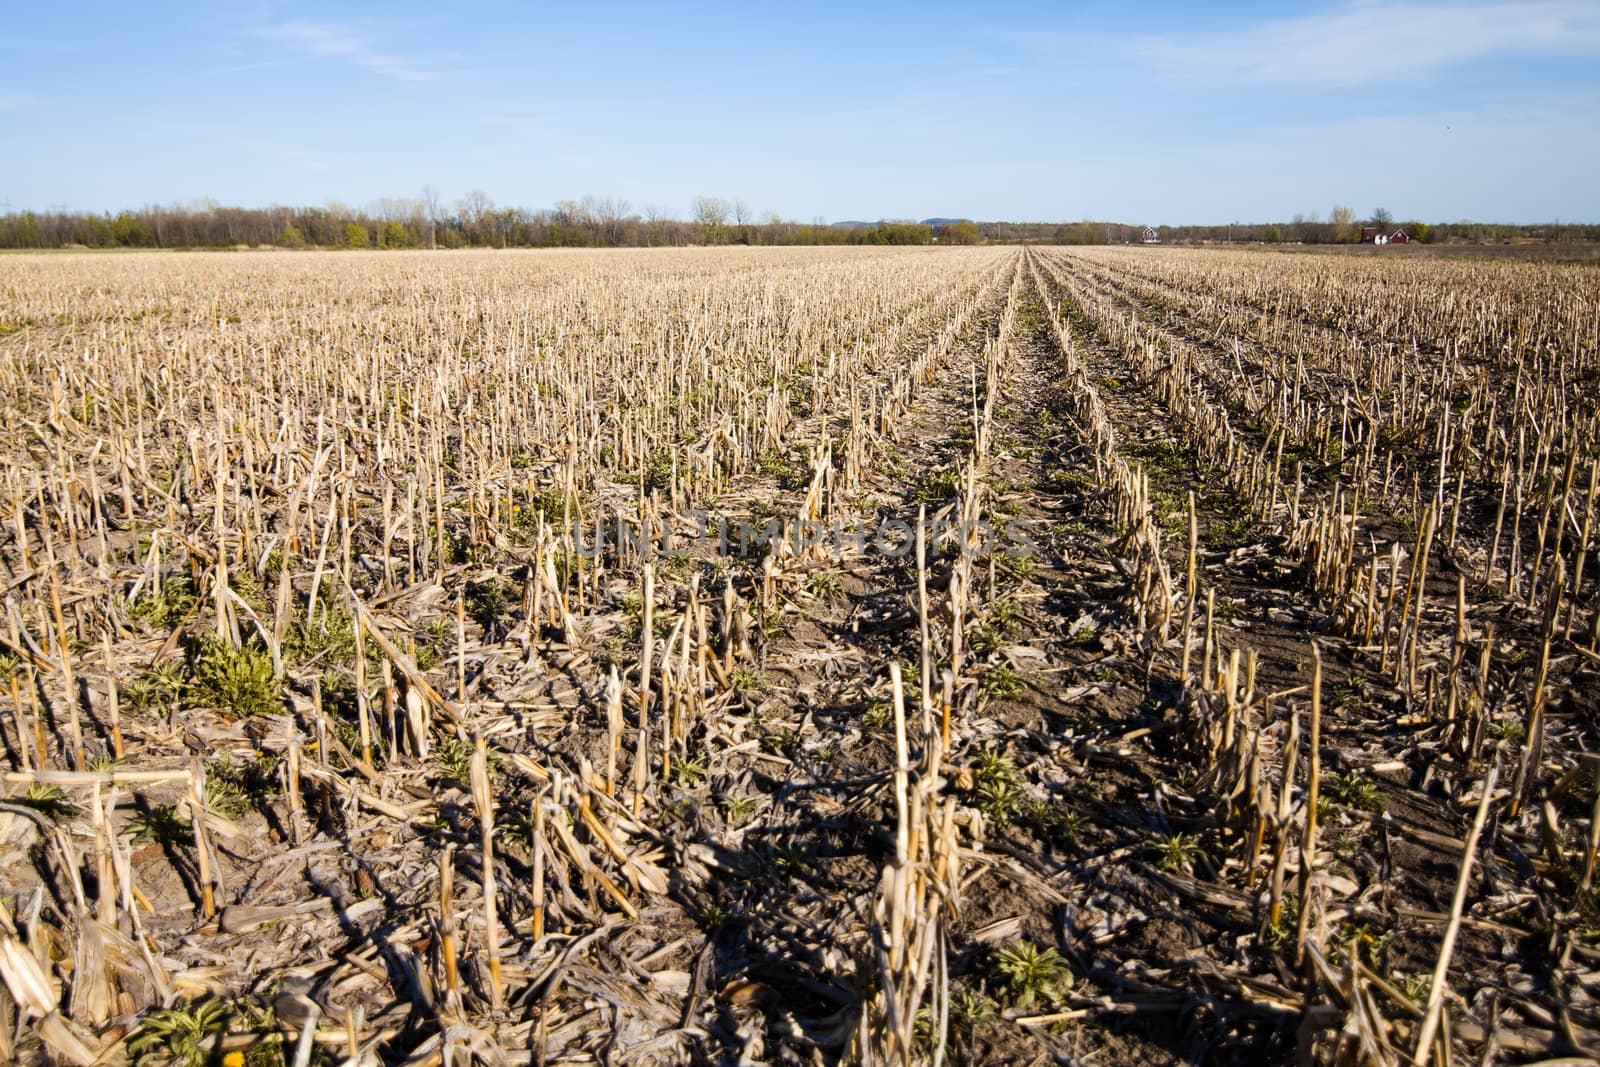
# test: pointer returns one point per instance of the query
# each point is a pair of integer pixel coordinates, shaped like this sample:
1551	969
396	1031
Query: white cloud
336	41
1364	43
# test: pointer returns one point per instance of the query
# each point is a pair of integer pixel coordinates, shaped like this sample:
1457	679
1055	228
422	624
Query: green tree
28	233
356	236
1342	228
394	235
962	233
131	231
291	237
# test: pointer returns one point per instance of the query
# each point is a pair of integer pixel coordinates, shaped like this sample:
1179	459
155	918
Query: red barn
1399	237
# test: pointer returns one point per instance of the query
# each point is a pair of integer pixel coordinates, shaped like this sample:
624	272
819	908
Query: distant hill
856	223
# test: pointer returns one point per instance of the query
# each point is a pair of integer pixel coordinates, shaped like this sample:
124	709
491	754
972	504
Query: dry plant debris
798	656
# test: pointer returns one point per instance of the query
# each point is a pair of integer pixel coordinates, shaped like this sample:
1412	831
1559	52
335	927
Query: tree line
473	222
476	221
1342	226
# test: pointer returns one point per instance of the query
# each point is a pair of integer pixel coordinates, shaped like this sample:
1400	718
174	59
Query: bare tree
605	216
657	220
430	202
396	209
711	212
474	206
476	211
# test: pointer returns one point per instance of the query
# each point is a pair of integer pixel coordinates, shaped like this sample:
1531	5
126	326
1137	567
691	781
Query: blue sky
1156	112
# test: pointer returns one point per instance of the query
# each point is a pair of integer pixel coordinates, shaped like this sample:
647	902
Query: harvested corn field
927	655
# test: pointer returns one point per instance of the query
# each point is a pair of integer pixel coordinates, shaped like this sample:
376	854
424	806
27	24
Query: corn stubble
332	734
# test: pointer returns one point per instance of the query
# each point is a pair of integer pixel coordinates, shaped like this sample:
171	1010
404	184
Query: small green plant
1056	822
170	605
549	503
781	742
1001	682
739	807
1353	790
748	679
771	621
994	765
438	630
970	1012
789	858
911	677
157	689
1414	986
178	1036
712	918
330	640
161	825
923	1031
658	471
1224	532
878	717
487	602
238	679
517	830
771	464
997	787
263	1053
225	798
1176	852
453	763
1348	693
459	547
1280	935
1511	730
1028	973
51	801
1370	944
679	809
996	626
1020	564
249	777
825	585
935	487
688	773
